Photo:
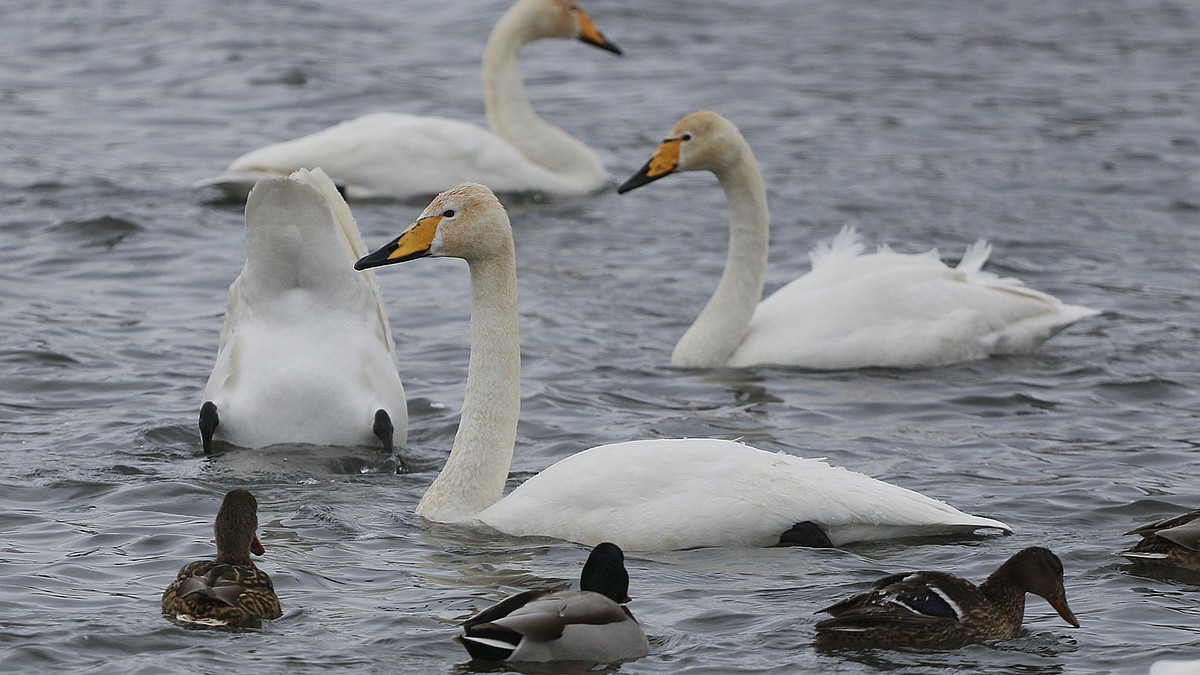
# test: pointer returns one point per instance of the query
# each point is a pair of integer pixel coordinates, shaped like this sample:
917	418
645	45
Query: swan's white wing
900	310
306	353
686	493
396	155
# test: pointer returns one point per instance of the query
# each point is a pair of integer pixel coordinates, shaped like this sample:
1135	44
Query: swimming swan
590	624
649	495
306	353
378	155
852	310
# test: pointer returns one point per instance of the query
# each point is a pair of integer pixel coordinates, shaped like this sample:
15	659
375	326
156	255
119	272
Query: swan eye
448	213
685	137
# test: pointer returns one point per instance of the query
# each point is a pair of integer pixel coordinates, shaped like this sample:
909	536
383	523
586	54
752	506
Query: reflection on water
1063	133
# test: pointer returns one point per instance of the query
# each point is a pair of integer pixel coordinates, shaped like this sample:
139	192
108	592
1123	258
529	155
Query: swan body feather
668	494
306	352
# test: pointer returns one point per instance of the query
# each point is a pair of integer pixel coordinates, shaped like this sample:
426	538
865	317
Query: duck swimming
590	624
228	590
936	608
1172	541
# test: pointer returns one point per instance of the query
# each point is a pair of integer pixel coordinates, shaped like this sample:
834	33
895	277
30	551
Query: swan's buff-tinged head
466	221
702	140
561	19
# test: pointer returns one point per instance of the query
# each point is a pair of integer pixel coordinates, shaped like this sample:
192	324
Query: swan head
701	141
466	221
558	19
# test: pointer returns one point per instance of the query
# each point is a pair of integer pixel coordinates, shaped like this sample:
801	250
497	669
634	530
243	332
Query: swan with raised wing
648	495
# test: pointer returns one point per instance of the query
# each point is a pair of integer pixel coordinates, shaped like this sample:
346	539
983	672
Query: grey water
1066	132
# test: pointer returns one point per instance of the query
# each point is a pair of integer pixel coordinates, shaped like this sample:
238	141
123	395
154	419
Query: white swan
399	156
306	353
590	624
852	310
643	495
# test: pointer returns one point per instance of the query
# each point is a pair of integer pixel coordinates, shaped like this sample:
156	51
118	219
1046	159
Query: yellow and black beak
663	162
589	34
411	244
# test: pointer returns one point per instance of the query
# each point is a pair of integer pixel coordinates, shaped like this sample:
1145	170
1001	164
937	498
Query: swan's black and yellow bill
411	244
590	34
663	162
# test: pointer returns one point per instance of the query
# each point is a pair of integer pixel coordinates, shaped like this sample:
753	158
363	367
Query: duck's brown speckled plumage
230	590
935	608
1171	541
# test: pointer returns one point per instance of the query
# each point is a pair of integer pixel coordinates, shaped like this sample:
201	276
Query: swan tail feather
847	244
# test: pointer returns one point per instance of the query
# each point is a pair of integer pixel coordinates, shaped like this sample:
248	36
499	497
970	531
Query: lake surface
1066	132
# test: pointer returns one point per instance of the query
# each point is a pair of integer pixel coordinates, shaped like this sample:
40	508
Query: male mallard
925	608
1171	541
585	625
230	590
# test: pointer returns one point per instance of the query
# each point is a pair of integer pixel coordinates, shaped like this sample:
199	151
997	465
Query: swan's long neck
512	117
474	475
723	322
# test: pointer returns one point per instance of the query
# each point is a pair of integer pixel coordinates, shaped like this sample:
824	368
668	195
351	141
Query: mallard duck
230	590
932	608
1171	541
646	495
854	309
590	624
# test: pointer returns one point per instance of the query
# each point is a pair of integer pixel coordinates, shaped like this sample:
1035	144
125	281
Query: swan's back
306	352
398	155
686	493
898	310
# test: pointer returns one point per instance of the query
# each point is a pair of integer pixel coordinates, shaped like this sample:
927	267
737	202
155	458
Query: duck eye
685	137
448	213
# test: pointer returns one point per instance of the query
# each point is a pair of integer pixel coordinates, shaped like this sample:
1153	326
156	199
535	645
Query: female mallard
585	625
1171	541
230	590
925	608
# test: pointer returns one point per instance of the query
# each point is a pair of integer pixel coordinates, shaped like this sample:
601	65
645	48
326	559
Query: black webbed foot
208	424
383	429
805	533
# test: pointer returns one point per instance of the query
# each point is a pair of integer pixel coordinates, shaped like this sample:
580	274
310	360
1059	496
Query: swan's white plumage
671	494
641	495
853	309
306	352
399	156
858	309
